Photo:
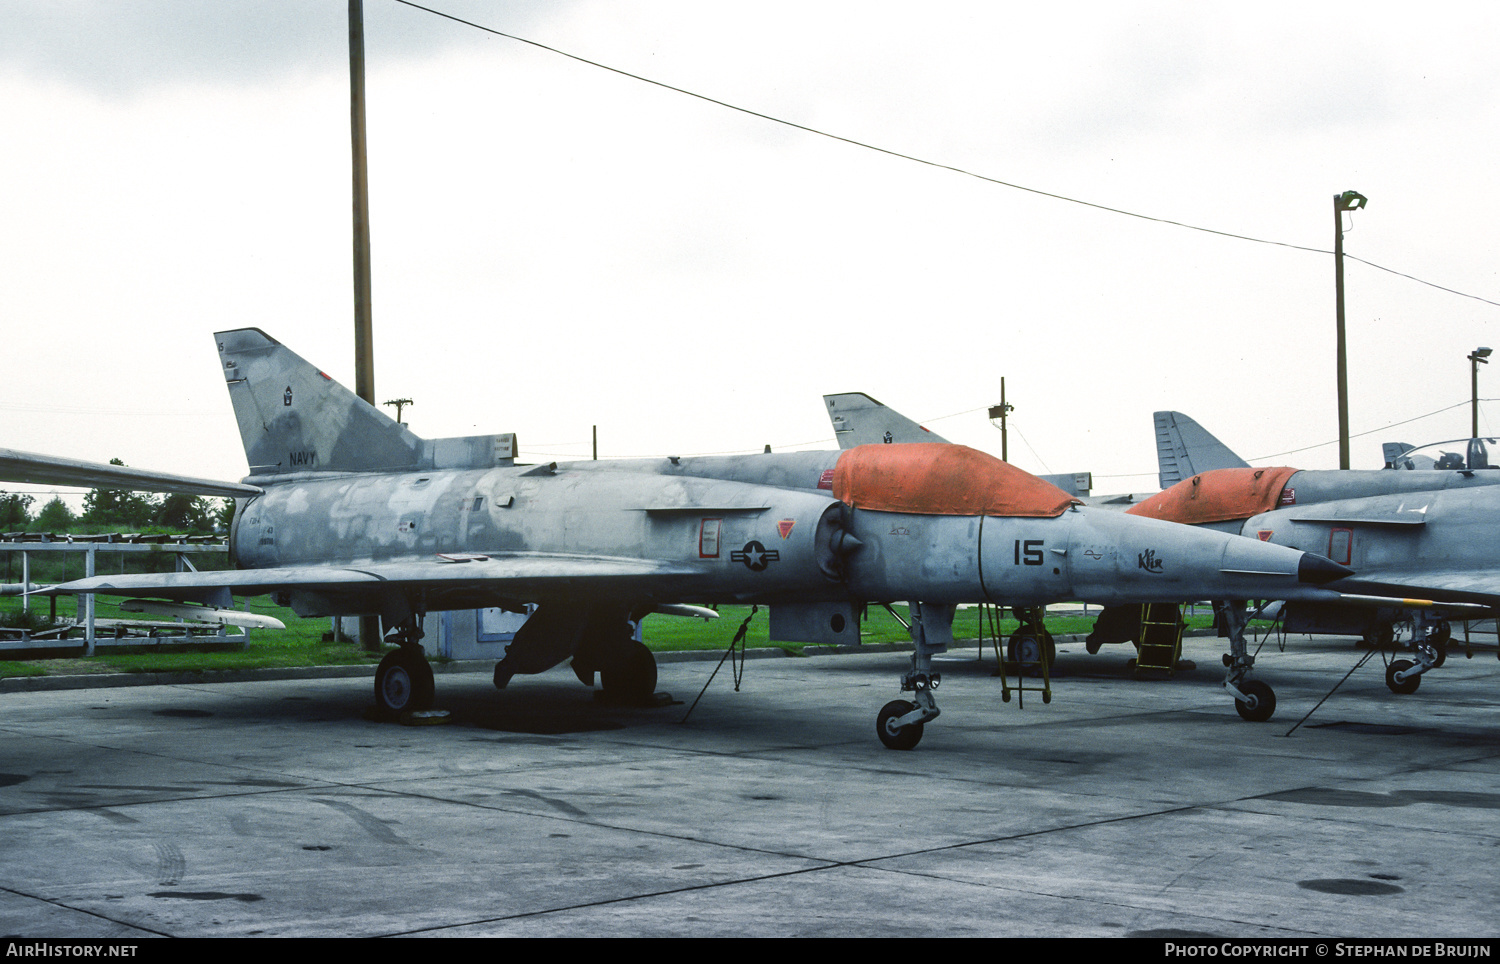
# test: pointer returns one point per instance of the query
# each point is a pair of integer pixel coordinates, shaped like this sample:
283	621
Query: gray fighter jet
859	419
349	513
1429	533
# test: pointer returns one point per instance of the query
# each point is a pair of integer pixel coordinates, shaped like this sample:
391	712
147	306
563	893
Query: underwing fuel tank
996	533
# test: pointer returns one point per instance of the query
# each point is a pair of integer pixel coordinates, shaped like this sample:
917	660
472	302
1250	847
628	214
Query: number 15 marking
1029	553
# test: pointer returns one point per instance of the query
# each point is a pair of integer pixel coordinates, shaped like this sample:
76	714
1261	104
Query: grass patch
303	643
669	633
300	644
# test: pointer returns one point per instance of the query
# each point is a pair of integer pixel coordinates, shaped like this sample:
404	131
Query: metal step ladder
1160	639
1029	652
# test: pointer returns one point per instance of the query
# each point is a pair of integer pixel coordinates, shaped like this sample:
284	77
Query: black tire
894	737
1405	686
403	683
1262	702
631	676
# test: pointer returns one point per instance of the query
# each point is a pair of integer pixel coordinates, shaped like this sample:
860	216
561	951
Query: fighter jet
1429	533
350	513
859	419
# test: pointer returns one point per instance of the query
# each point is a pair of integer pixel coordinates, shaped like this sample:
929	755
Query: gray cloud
111	47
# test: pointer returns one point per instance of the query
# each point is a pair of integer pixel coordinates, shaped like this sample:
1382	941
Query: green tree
181	512
118	506
56	516
15	511
224	515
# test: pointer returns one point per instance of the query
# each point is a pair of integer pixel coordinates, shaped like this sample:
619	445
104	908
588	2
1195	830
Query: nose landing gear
899	723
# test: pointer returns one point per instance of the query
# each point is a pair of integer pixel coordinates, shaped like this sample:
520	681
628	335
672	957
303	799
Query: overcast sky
556	246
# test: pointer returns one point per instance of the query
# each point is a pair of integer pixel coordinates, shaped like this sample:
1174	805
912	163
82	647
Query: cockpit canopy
1465	454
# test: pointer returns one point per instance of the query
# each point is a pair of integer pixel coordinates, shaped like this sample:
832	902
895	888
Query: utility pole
399	403
1477	357
1001	411
364	337
1348	201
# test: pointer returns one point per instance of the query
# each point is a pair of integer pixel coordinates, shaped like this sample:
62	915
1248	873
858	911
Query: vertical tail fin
1185	449
294	418
859	419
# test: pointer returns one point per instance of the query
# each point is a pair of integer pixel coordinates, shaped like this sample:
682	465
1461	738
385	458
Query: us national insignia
755	556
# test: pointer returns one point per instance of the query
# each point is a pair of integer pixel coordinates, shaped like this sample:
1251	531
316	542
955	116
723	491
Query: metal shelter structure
119	632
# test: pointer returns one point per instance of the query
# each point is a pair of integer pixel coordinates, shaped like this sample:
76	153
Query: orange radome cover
932	478
1217	496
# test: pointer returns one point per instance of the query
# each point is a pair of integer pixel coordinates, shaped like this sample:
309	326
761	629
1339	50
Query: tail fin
1395	456
1184	449
859	419
294	418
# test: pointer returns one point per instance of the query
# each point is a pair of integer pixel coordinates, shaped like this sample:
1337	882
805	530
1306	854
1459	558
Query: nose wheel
1397	678
1259	702
895	734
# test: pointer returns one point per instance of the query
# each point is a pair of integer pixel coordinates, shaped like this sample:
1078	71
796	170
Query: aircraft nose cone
1317	570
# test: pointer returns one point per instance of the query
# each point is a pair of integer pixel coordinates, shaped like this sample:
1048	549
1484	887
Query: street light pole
1477	357
1348	201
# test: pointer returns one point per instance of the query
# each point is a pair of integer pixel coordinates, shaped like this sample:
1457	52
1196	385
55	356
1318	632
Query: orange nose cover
928	478
1217	496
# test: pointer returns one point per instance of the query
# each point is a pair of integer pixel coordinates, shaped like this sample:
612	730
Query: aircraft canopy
928	478
1217	496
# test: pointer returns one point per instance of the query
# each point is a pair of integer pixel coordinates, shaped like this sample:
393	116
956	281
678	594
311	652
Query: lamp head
1350	201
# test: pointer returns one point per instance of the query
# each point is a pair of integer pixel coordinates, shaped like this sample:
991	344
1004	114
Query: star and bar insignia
755	556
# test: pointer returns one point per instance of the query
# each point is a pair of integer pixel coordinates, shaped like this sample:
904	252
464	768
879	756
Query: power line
918	160
1372	431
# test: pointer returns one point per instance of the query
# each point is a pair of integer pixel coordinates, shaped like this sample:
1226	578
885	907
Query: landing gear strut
1253	700
899	723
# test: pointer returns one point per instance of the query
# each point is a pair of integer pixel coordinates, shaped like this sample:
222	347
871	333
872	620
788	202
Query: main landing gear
403	681
1031	647
629	674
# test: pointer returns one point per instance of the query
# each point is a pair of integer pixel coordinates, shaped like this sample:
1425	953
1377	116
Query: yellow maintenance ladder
1160	638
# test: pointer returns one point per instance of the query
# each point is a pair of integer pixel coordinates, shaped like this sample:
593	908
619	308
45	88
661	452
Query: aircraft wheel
1262	702
897	737
403	683
631	677
1408	685
1025	649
